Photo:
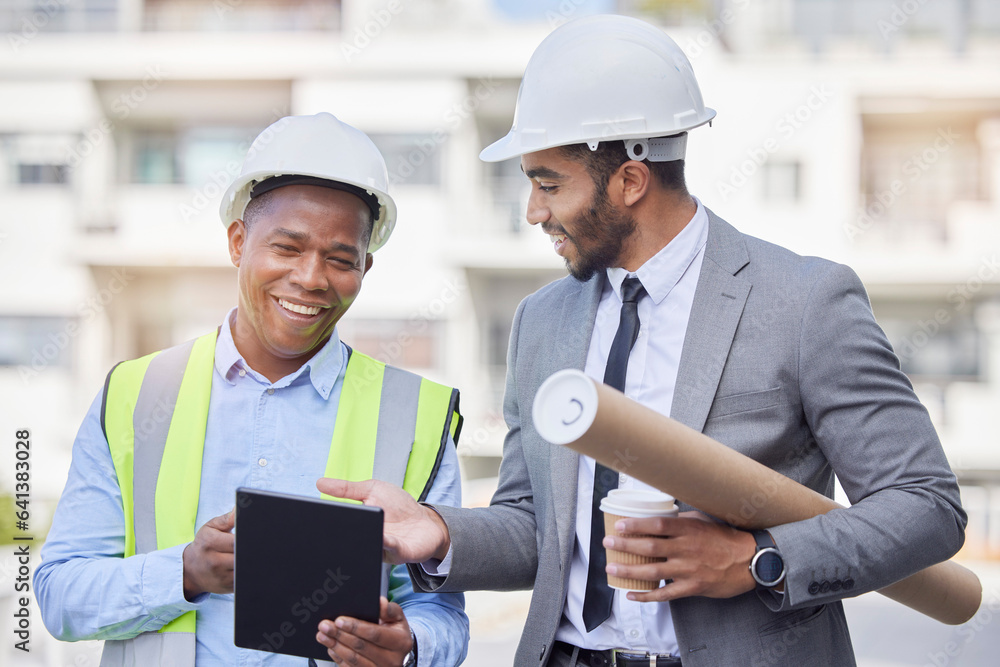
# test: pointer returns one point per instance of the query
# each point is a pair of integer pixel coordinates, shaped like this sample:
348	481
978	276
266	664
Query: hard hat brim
237	196
512	145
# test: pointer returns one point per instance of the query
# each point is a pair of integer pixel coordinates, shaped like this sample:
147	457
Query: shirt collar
323	369
663	271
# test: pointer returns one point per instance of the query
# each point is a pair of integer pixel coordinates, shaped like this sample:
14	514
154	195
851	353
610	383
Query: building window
241	15
192	157
511	190
36	159
42	174
411	344
821	22
154	158
412	159
37	342
25	18
913	168
935	343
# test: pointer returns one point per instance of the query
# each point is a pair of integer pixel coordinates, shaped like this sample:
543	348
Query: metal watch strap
411	658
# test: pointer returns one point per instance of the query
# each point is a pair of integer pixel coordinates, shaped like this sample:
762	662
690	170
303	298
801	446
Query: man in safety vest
140	553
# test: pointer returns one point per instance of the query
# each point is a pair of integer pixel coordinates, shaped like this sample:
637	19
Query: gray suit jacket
782	361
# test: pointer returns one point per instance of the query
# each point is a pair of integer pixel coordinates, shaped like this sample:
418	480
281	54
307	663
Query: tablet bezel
300	560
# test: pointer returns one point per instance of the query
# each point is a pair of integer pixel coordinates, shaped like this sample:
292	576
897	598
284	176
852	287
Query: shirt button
633	633
243	373
270	391
262	462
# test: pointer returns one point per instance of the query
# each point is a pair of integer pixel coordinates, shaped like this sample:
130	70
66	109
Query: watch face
769	567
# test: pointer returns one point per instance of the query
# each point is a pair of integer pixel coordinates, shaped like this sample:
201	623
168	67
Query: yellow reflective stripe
179	481
432	412
352	448
123	389
184	623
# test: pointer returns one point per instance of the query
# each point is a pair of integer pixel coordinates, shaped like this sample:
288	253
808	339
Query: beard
599	236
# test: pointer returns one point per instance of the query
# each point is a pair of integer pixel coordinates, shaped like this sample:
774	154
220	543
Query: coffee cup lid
637	503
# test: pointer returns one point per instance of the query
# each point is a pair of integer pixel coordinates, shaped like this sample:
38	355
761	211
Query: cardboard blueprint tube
572	409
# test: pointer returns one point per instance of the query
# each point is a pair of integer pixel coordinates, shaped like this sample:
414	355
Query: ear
633	180
237	233
368	263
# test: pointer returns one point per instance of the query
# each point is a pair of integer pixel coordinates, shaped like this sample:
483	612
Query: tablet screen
298	561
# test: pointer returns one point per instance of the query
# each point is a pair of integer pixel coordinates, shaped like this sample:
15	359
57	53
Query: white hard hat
320	147
603	78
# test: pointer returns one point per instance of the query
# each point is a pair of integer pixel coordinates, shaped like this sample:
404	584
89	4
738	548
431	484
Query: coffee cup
629	504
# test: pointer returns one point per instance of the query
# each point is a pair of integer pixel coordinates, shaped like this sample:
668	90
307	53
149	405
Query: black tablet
301	560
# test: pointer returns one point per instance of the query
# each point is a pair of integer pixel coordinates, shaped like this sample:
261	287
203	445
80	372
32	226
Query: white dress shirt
670	278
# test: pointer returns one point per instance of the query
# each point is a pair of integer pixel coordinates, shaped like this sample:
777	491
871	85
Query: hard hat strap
657	149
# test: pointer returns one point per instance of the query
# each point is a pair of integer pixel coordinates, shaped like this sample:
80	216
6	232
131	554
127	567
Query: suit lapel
715	313
575	327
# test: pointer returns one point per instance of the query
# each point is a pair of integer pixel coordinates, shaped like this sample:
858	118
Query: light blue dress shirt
273	436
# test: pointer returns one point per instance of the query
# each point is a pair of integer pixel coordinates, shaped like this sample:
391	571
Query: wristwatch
767	566
410	660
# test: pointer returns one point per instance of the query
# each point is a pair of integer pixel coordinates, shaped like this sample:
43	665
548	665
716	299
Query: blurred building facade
865	131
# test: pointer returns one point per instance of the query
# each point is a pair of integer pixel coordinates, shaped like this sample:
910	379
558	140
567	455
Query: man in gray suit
775	355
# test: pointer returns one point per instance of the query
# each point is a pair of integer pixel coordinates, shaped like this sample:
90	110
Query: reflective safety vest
154	415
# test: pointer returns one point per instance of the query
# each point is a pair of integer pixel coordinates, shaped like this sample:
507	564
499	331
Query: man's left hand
353	642
702	557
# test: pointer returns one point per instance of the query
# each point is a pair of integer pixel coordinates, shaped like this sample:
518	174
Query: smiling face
587	230
300	267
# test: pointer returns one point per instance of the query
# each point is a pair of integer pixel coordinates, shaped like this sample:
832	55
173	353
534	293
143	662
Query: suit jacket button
824	587
836	585
814	588
848	584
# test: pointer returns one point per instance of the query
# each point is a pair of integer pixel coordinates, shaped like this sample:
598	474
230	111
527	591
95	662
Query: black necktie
598	598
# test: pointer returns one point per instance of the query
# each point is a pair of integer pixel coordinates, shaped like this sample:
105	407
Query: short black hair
256	207
610	155
263	205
